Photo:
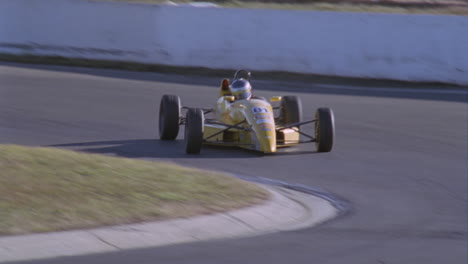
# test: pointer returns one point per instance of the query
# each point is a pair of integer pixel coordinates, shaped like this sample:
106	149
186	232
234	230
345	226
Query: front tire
169	117
291	110
324	129
194	131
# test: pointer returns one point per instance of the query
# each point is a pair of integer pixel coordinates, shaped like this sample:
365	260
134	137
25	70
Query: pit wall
387	46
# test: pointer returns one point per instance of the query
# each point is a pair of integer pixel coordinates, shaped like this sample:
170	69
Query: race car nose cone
268	143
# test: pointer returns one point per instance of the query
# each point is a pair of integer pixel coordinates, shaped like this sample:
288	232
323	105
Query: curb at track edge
343	206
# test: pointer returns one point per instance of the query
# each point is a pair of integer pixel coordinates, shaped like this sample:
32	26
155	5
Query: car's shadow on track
153	148
293	152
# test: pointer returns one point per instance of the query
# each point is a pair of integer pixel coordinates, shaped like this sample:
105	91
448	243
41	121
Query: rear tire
324	129
194	131
291	110
169	117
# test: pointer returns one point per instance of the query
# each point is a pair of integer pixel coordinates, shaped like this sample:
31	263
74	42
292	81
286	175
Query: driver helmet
241	89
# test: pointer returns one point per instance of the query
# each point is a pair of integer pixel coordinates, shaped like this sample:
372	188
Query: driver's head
241	89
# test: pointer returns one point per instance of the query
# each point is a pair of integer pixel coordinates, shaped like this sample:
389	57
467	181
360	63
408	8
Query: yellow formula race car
243	120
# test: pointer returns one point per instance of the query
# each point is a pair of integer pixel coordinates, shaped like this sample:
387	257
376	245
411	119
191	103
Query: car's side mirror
275	99
229	98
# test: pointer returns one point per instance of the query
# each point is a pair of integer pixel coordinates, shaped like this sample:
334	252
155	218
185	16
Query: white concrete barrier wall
77	29
391	46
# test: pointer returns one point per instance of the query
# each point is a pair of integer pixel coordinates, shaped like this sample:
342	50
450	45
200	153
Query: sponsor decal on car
261	116
266	127
262	121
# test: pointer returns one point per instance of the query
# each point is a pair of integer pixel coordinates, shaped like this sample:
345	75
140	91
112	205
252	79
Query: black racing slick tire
291	110
194	125
324	129
169	117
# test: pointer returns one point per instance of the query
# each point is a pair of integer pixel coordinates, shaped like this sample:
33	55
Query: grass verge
46	189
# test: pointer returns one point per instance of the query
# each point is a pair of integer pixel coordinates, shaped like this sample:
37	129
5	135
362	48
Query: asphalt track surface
400	159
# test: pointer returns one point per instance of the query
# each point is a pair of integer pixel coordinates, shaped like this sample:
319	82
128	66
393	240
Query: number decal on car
257	110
